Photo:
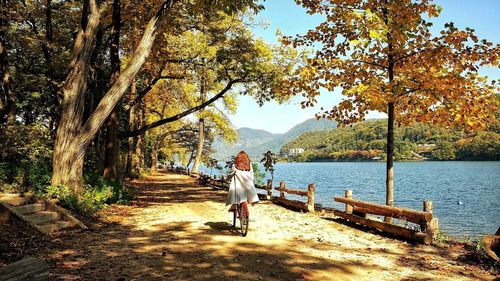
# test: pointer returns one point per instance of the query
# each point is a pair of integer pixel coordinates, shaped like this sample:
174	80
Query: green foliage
444	151
119	193
25	161
87	204
22	142
99	193
268	160
403	149
258	174
483	146
440	238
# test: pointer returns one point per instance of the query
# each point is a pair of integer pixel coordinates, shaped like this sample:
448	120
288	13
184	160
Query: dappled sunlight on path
177	230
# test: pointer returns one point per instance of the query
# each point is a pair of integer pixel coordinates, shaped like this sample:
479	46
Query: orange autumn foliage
378	52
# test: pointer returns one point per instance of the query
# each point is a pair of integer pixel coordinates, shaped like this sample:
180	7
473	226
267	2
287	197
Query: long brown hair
242	161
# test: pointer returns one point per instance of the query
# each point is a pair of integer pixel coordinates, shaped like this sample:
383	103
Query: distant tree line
367	141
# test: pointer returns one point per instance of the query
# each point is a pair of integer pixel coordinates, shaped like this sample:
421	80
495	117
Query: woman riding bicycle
241	188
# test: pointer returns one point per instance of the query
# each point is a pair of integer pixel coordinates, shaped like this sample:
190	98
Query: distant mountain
255	142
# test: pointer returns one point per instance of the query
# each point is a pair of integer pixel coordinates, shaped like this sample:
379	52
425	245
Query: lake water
465	195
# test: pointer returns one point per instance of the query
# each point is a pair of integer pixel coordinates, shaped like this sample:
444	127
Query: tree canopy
382	56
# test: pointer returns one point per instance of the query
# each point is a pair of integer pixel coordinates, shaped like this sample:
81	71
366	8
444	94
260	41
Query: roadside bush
118	193
97	195
25	165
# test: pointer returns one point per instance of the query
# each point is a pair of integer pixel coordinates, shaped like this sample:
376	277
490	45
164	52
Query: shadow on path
177	230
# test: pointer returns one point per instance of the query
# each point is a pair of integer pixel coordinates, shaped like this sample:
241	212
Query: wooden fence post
310	197
282	193
428	206
269	189
430	227
348	195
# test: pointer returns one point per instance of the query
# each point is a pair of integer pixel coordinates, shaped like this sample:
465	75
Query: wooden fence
306	206
221	183
356	211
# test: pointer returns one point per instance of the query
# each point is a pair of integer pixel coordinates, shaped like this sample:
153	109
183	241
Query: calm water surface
466	195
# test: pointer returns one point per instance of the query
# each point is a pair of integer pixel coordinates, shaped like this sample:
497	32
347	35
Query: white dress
242	188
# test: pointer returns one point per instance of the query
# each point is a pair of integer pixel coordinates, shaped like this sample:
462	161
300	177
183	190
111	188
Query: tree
216	56
72	137
383	57
7	98
111	145
268	160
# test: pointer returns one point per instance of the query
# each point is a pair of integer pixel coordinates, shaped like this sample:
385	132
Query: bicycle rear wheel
244	218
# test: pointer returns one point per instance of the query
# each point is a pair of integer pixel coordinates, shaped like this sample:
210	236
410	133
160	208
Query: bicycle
241	212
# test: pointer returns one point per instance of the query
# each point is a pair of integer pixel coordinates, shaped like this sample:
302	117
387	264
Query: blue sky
290	18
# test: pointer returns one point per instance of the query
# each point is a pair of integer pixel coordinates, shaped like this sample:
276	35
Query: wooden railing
306	206
268	188
356	211
218	183
221	183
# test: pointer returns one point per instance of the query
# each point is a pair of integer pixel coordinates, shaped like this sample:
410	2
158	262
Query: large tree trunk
154	157
69	150
142	158
112	146
72	138
7	99
389	183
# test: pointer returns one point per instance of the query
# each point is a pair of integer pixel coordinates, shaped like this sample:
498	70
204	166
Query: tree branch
417	52
146	90
115	93
182	114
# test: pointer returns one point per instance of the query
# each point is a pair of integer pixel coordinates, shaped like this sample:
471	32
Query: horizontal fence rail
356	211
305	206
223	184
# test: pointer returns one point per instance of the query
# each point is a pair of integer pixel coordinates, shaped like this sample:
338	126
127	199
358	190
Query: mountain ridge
257	141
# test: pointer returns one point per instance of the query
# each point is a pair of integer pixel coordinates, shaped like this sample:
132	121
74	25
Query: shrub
99	193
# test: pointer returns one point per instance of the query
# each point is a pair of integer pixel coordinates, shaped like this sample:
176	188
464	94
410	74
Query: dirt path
176	230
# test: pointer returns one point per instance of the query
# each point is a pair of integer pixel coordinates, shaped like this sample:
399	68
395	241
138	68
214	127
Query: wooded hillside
366	141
